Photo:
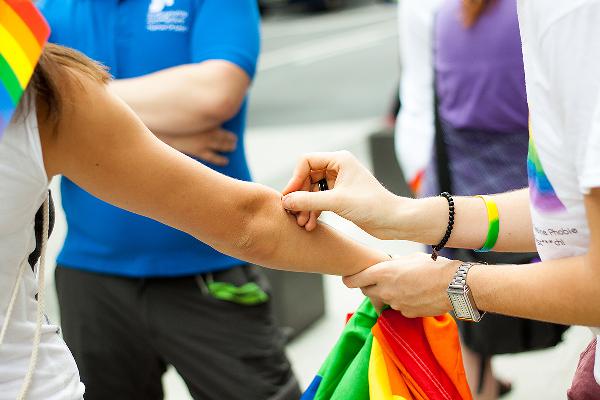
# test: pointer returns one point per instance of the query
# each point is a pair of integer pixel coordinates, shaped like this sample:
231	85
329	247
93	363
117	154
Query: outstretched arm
356	195
562	290
102	146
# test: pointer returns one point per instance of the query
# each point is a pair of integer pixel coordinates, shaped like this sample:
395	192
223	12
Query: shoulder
66	82
89	118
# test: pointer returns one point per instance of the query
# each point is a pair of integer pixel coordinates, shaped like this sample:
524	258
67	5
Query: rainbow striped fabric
391	357
542	193
23	34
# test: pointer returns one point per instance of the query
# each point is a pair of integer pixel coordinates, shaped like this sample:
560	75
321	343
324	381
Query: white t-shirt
561	50
23	189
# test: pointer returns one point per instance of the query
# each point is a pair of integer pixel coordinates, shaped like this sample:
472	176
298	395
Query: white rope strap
13	298
40	303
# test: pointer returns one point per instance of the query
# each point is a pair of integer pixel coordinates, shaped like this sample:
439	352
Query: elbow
226	107
218	109
260	226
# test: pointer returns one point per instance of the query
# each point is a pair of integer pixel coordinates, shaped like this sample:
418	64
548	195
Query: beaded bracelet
438	247
493	224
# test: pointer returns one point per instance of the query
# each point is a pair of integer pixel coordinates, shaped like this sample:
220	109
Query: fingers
368	277
218	141
315	165
222	141
310	201
312	221
213	158
371	291
313	216
373	295
310	169
377	304
303	216
206	146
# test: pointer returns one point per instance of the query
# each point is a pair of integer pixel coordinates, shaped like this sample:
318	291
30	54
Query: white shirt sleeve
589	170
571	54
415	128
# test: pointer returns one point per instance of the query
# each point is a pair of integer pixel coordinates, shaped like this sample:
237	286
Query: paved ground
324	82
328	67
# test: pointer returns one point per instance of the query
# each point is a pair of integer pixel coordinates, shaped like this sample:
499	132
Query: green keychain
248	294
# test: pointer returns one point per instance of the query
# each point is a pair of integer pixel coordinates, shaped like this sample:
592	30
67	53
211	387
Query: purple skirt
481	162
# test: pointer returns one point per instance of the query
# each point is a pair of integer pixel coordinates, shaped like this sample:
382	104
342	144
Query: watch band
460	276
461	296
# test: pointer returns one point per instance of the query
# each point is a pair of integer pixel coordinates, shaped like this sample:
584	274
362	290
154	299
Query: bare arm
187	99
108	151
354	191
429	218
563	290
570	285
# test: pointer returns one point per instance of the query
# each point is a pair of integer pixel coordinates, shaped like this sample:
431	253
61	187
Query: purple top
480	78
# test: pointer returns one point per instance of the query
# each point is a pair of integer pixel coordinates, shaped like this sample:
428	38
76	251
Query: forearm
429	219
280	243
563	291
242	219
246	220
186	99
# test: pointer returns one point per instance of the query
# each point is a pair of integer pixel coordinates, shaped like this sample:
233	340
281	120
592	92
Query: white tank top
23	189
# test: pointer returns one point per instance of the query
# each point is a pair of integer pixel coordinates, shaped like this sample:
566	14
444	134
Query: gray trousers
123	332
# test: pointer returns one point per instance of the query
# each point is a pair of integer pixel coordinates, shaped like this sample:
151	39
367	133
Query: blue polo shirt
133	38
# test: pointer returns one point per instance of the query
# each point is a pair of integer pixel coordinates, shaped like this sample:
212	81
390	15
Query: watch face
459	303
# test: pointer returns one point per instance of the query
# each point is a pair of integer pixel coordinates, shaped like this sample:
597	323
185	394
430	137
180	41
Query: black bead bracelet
438	247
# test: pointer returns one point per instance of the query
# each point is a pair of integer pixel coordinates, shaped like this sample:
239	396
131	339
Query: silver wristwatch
461	297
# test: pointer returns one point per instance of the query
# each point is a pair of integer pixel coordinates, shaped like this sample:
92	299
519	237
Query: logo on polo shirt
159	5
159	19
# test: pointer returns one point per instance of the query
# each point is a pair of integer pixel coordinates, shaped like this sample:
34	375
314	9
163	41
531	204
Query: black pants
123	332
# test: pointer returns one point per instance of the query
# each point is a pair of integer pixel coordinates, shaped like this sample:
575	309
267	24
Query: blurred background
327	80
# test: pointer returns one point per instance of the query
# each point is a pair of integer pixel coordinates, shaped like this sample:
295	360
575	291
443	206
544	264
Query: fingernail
287	202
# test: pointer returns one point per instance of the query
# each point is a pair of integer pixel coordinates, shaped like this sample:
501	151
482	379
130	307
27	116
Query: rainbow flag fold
390	357
23	34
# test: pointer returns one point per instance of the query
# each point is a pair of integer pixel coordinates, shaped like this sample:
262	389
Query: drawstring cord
13	298
40	303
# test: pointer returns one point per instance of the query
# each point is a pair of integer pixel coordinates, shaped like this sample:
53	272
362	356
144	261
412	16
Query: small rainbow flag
23	34
541	192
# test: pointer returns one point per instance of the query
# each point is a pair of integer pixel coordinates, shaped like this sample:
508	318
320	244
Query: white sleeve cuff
589	181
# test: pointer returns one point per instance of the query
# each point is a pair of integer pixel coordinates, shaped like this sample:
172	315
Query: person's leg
221	349
489	388
101	326
584	386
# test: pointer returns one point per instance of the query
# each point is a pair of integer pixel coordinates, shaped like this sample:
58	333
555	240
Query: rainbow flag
542	193
390	357
23	34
